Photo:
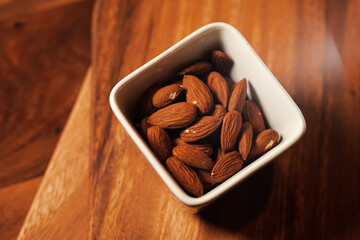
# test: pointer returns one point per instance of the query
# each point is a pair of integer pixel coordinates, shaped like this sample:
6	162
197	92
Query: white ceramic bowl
280	111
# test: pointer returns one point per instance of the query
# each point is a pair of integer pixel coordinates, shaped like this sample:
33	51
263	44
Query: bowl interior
278	108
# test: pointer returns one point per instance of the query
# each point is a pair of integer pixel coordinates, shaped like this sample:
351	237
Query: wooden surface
43	60
310	192
15	201
60	209
44	55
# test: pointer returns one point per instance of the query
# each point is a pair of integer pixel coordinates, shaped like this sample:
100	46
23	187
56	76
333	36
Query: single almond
264	141
144	125
219	111
222	62
197	69
177	115
198	93
193	157
227	166
238	96
146	106
205	176
166	95
253	115
245	142
201	129
219	87
185	176
230	130
160	142
202	146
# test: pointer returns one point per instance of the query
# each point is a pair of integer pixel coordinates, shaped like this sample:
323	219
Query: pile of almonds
202	126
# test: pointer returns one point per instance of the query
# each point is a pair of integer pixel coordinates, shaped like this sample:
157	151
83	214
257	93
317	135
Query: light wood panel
15	201
60	209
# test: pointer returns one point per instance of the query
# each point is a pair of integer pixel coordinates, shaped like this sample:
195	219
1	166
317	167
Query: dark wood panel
309	192
43	59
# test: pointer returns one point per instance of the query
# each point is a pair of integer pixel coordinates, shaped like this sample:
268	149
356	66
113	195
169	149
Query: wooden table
311	192
44	56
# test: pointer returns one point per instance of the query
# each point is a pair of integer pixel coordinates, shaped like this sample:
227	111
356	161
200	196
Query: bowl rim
161	170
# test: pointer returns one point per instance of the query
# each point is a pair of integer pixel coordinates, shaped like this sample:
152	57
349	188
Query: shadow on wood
242	204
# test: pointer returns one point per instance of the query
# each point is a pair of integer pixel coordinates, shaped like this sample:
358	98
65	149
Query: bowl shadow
242	204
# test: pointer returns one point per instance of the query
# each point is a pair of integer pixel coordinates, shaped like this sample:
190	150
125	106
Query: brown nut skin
193	157
185	176
166	95
198	93
238	96
219	87
202	146
160	142
222	62
144	126
174	116
228	165
219	111
201	129
197	69
253	115
230	130
245	140
146	106
263	142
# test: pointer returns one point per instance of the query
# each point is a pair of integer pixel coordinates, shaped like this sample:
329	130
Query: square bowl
279	110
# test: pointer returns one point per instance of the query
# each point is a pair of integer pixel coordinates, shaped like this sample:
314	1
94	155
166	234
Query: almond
245	142
219	111
193	157
198	93
185	176
177	115
197	69
219	87
227	166
160	142
204	147
201	129
166	95
238	96
146	106
205	176
230	130
144	125
222	62
264	141
253	115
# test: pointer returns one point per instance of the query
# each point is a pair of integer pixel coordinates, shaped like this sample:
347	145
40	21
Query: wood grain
11	8
307	193
61	207
15	201
43	59
311	47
